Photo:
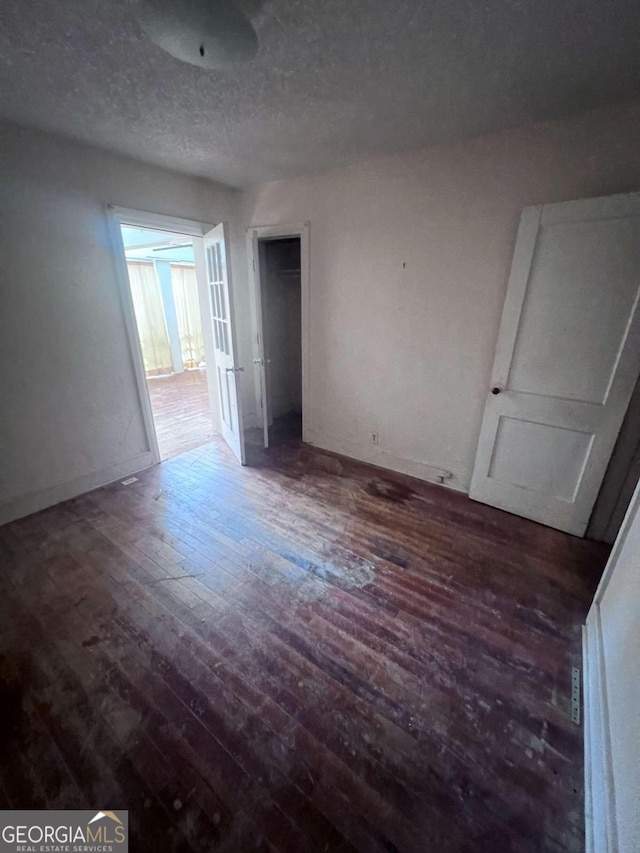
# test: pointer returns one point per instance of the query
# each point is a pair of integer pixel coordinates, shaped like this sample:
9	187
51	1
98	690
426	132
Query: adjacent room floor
304	656
181	411
283	430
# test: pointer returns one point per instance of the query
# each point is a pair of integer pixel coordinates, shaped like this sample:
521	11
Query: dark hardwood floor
307	655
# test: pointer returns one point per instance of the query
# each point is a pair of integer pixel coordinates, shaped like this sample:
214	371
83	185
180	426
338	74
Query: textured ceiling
334	80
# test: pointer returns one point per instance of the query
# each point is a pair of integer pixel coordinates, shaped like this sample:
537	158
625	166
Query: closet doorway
280	300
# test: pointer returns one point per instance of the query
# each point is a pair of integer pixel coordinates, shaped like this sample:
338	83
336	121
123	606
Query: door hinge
575	695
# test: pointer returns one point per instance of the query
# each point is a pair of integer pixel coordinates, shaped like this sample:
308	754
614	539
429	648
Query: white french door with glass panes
226	366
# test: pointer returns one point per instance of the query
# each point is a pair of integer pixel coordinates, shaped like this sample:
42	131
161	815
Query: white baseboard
376	455
21	505
599	793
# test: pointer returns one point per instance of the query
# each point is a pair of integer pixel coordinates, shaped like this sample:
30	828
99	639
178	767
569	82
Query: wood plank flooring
181	411
306	655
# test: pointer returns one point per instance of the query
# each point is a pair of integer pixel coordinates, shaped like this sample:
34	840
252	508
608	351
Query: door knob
496	389
235	369
258	361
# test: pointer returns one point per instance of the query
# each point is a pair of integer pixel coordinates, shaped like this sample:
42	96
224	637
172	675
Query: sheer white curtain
185	295
152	328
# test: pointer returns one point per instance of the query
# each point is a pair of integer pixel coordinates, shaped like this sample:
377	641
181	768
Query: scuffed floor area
306	655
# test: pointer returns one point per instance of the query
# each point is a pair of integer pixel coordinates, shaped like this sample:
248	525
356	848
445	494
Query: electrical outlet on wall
374	437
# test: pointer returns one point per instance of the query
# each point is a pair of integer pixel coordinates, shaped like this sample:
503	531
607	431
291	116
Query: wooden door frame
255	233
600	810
620	478
116	217
225	280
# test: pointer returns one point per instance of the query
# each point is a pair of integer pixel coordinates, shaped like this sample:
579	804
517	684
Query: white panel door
226	366
566	362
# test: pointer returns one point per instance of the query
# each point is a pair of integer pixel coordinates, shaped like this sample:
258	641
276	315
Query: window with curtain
185	295
149	311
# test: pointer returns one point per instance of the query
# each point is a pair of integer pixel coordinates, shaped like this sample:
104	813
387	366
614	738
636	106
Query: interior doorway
279	315
280	298
620	479
164	290
182	339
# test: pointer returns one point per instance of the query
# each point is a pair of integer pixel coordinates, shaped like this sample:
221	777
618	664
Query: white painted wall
409	259
612	698
70	416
